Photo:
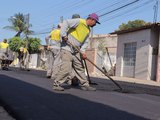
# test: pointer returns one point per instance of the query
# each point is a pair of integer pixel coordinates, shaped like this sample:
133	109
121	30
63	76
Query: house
138	53
102	51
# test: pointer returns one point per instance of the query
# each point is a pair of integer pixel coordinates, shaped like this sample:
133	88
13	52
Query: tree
33	45
132	24
15	43
19	24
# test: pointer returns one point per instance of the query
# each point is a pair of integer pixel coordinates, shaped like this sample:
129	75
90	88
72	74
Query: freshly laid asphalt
29	96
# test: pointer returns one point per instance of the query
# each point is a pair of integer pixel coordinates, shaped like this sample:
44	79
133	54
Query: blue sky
46	13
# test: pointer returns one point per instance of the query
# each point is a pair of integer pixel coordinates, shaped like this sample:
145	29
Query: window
130	54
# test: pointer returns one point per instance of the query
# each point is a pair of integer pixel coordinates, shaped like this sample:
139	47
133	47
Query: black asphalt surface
29	96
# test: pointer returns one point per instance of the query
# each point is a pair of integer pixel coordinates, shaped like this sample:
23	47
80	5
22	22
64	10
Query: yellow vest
55	35
81	31
3	45
24	50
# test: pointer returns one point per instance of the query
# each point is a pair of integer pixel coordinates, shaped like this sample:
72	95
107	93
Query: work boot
58	88
88	88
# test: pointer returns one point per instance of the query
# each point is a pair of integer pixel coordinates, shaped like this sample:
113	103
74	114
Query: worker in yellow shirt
75	31
3	49
23	57
4	44
53	42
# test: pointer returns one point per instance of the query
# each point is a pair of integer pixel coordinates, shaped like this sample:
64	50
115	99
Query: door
129	59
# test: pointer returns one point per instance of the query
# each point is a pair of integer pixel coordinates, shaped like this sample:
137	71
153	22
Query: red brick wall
91	55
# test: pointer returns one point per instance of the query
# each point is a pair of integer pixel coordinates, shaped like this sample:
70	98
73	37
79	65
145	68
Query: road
29	96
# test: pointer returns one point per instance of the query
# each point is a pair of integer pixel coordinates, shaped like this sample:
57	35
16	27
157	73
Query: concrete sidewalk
132	80
130	85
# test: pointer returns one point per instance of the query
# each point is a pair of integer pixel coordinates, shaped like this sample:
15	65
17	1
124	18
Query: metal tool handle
97	66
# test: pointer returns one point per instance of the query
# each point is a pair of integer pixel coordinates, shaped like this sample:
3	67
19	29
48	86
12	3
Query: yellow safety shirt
55	35
3	45
81	31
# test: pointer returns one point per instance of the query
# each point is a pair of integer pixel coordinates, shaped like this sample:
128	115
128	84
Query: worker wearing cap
53	42
75	31
23	56
72	80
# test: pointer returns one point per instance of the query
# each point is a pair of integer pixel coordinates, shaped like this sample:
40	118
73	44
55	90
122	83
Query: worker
4	54
20	57
75	31
72	79
23	56
4	49
53	42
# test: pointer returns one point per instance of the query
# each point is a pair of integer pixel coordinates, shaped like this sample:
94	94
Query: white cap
21	48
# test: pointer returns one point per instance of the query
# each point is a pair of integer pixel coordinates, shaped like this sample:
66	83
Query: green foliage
15	43
33	45
132	24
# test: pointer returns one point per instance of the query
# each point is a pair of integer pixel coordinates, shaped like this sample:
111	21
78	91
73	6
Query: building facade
137	52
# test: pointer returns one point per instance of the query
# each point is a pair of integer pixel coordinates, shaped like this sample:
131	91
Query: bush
15	43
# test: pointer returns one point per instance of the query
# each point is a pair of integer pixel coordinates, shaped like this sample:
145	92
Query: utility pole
27	33
155	7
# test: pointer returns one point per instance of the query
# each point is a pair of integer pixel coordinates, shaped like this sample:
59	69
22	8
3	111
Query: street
29	96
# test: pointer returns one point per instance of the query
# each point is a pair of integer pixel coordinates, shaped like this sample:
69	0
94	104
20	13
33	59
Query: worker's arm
84	47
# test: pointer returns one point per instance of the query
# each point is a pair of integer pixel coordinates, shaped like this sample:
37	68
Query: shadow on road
30	102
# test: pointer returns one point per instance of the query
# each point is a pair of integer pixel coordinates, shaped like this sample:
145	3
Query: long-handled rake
90	82
105	73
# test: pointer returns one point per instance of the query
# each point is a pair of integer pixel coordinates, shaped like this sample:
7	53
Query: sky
44	14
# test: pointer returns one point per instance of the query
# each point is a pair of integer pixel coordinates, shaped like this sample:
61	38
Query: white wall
142	38
33	60
109	41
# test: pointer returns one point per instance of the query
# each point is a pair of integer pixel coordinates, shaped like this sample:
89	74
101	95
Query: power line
109	6
40	33
119	8
128	11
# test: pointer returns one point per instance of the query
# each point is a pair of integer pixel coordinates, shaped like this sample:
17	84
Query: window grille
130	54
